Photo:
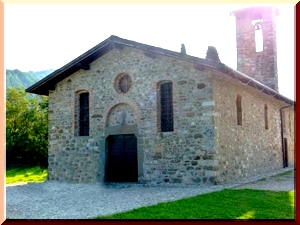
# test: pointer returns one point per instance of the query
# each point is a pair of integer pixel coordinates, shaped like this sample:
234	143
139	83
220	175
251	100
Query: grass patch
263	179
287	173
32	174
278	177
226	204
283	176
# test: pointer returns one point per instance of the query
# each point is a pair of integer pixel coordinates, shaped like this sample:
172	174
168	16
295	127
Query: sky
41	37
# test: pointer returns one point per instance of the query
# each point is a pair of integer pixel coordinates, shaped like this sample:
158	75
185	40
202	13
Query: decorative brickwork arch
123	113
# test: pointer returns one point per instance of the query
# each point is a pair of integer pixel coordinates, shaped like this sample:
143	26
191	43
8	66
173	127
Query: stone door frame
122	160
117	130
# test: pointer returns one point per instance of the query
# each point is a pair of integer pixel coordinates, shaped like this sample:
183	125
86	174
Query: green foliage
227	204
17	78
26	128
212	54
32	174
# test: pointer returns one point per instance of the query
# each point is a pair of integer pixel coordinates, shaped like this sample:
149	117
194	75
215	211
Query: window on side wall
165	109
283	122
239	110
266	118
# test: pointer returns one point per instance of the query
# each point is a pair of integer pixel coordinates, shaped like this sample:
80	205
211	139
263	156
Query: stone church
128	112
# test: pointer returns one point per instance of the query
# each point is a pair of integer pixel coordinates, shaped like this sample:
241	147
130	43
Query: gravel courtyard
54	200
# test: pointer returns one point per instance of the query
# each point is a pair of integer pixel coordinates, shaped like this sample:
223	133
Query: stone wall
206	147
185	155
249	149
289	133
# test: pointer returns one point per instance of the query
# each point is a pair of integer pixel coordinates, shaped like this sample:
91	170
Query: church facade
129	112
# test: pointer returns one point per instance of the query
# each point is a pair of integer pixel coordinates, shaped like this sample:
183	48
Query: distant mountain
16	78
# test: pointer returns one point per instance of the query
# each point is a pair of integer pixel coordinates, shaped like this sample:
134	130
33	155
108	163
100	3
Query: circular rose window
123	83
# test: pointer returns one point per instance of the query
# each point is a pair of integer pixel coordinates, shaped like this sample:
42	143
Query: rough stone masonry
221	125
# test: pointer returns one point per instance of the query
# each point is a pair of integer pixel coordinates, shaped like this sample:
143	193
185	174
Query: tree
26	127
212	54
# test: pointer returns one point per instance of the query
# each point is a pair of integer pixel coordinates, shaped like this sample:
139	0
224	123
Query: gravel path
284	182
55	200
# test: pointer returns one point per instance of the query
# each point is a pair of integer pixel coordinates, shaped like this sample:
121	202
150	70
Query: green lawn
32	174
227	204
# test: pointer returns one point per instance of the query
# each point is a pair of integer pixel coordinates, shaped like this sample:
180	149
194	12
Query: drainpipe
281	131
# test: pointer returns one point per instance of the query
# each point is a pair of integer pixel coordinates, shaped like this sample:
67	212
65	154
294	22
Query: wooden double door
122	163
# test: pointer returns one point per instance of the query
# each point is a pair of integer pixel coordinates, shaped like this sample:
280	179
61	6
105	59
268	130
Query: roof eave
43	86
246	80
48	83
73	66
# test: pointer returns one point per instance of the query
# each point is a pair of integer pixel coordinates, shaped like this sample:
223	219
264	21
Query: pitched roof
43	86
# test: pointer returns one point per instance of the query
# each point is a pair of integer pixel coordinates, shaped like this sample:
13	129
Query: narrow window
239	109
290	123
283	122
166	107
84	114
266	118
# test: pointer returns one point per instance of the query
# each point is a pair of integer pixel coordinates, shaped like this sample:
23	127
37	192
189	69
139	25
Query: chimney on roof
256	44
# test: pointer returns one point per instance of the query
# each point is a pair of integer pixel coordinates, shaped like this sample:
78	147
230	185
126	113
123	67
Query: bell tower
256	44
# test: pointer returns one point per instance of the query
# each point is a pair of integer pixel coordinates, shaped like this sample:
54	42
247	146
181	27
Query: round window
123	83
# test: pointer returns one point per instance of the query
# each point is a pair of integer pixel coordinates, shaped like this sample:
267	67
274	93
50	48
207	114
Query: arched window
239	109
165	109
82	119
283	122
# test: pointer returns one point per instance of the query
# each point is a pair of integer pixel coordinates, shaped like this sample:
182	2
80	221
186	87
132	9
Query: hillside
16	78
